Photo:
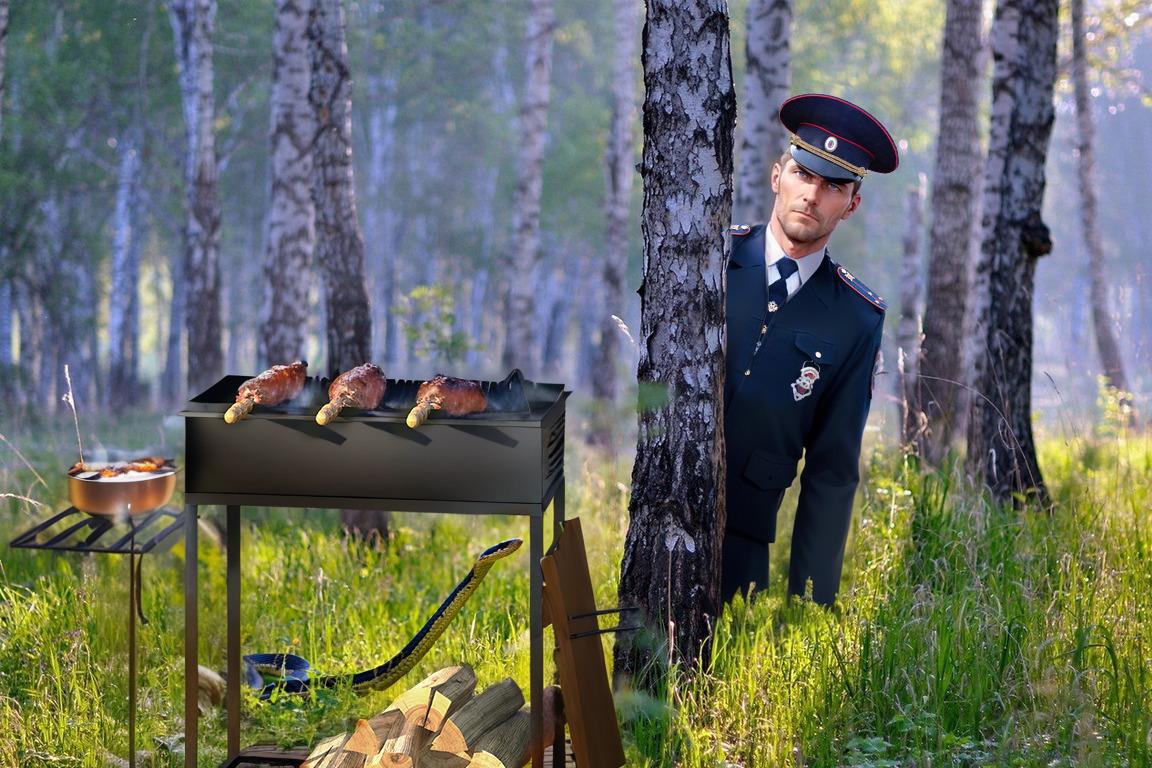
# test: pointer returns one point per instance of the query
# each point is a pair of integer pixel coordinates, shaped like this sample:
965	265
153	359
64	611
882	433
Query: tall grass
967	635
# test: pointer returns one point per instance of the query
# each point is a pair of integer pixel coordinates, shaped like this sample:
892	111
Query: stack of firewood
439	723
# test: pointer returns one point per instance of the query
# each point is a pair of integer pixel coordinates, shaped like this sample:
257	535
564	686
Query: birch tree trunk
193	26
7	312
620	163
671	564
3	53
908	329
290	228
124	305
1001	449
767	82
951	241
1111	360
339	243
522	344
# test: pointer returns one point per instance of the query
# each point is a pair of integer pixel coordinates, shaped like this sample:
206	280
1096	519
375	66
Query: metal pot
119	496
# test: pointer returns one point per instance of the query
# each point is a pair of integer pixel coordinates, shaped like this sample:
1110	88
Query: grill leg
234	677
132	576
191	638
536	631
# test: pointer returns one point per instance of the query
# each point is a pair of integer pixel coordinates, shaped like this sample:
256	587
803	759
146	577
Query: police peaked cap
837	139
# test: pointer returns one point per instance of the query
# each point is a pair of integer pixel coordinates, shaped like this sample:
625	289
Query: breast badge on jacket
802	387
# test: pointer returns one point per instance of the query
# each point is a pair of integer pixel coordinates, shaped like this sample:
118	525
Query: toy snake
290	673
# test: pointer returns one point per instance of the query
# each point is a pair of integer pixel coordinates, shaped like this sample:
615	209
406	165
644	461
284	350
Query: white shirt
806	265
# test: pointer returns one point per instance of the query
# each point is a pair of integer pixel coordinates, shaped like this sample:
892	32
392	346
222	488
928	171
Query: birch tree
124	306
671	564
767	83
909	326
1001	449
339	242
619	164
522	344
290	227
3	52
1111	360
954	201
193	26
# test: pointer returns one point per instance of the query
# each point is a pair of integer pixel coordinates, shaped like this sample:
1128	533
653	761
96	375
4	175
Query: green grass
966	635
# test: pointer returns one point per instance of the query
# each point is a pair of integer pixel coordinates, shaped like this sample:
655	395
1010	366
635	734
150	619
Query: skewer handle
419	414
239	410
331	410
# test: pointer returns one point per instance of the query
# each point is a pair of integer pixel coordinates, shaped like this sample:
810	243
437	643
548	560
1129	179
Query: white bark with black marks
339	242
291	223
671	563
523	337
767	83
193	27
955	199
1001	449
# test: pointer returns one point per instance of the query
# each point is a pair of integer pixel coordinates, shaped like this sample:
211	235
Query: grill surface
512	452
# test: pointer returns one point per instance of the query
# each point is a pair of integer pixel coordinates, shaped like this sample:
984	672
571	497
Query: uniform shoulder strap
866	293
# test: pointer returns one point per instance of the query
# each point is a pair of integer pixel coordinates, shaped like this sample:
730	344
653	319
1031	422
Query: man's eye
834	187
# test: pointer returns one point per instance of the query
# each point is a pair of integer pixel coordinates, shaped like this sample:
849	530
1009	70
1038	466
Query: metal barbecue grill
506	460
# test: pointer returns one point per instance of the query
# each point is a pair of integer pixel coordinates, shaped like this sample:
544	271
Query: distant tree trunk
193	26
3	52
1110	358
1001	449
908	329
339	243
7	312
522	345
290	231
767	82
954	203
172	380
124	306
671	564
619	159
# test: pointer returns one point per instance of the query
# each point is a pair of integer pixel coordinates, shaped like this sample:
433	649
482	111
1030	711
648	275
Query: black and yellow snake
291	672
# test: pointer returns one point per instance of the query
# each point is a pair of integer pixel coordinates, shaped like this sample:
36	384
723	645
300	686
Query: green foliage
429	313
967	634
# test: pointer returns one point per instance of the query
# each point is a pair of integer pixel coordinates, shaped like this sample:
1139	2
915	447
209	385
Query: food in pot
278	384
362	387
456	397
123	470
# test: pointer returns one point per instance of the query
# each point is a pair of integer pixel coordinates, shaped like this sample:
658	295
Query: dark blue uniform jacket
833	325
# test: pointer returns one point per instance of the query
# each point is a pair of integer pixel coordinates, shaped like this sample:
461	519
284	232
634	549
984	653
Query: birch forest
200	187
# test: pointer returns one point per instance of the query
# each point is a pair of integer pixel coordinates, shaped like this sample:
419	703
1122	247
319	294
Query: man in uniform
803	340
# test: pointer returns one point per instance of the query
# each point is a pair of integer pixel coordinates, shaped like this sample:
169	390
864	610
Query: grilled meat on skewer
276	385
362	387
456	397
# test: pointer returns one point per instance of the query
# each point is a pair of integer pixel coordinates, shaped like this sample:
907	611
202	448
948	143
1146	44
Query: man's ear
776	171
851	209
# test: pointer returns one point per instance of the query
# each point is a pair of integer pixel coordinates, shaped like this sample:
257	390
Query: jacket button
748	372
818	355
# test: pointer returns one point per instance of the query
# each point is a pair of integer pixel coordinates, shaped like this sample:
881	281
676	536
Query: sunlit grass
966	635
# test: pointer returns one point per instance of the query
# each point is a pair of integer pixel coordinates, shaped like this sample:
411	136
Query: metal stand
233	504
75	531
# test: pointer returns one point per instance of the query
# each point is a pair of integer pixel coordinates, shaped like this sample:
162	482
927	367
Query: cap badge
830	143
802	387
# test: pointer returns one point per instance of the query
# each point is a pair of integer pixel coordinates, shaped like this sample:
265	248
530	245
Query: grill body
509	456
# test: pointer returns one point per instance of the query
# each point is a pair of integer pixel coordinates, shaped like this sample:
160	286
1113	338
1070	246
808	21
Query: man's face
808	207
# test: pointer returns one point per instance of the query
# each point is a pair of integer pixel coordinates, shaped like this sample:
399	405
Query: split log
495	705
437	696
506	745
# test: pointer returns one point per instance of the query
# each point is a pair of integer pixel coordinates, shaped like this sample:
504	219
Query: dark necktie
778	290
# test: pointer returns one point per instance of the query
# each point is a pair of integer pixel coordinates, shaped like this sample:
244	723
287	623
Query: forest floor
966	635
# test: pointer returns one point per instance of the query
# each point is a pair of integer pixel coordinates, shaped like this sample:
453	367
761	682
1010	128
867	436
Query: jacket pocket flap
769	472
815	348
